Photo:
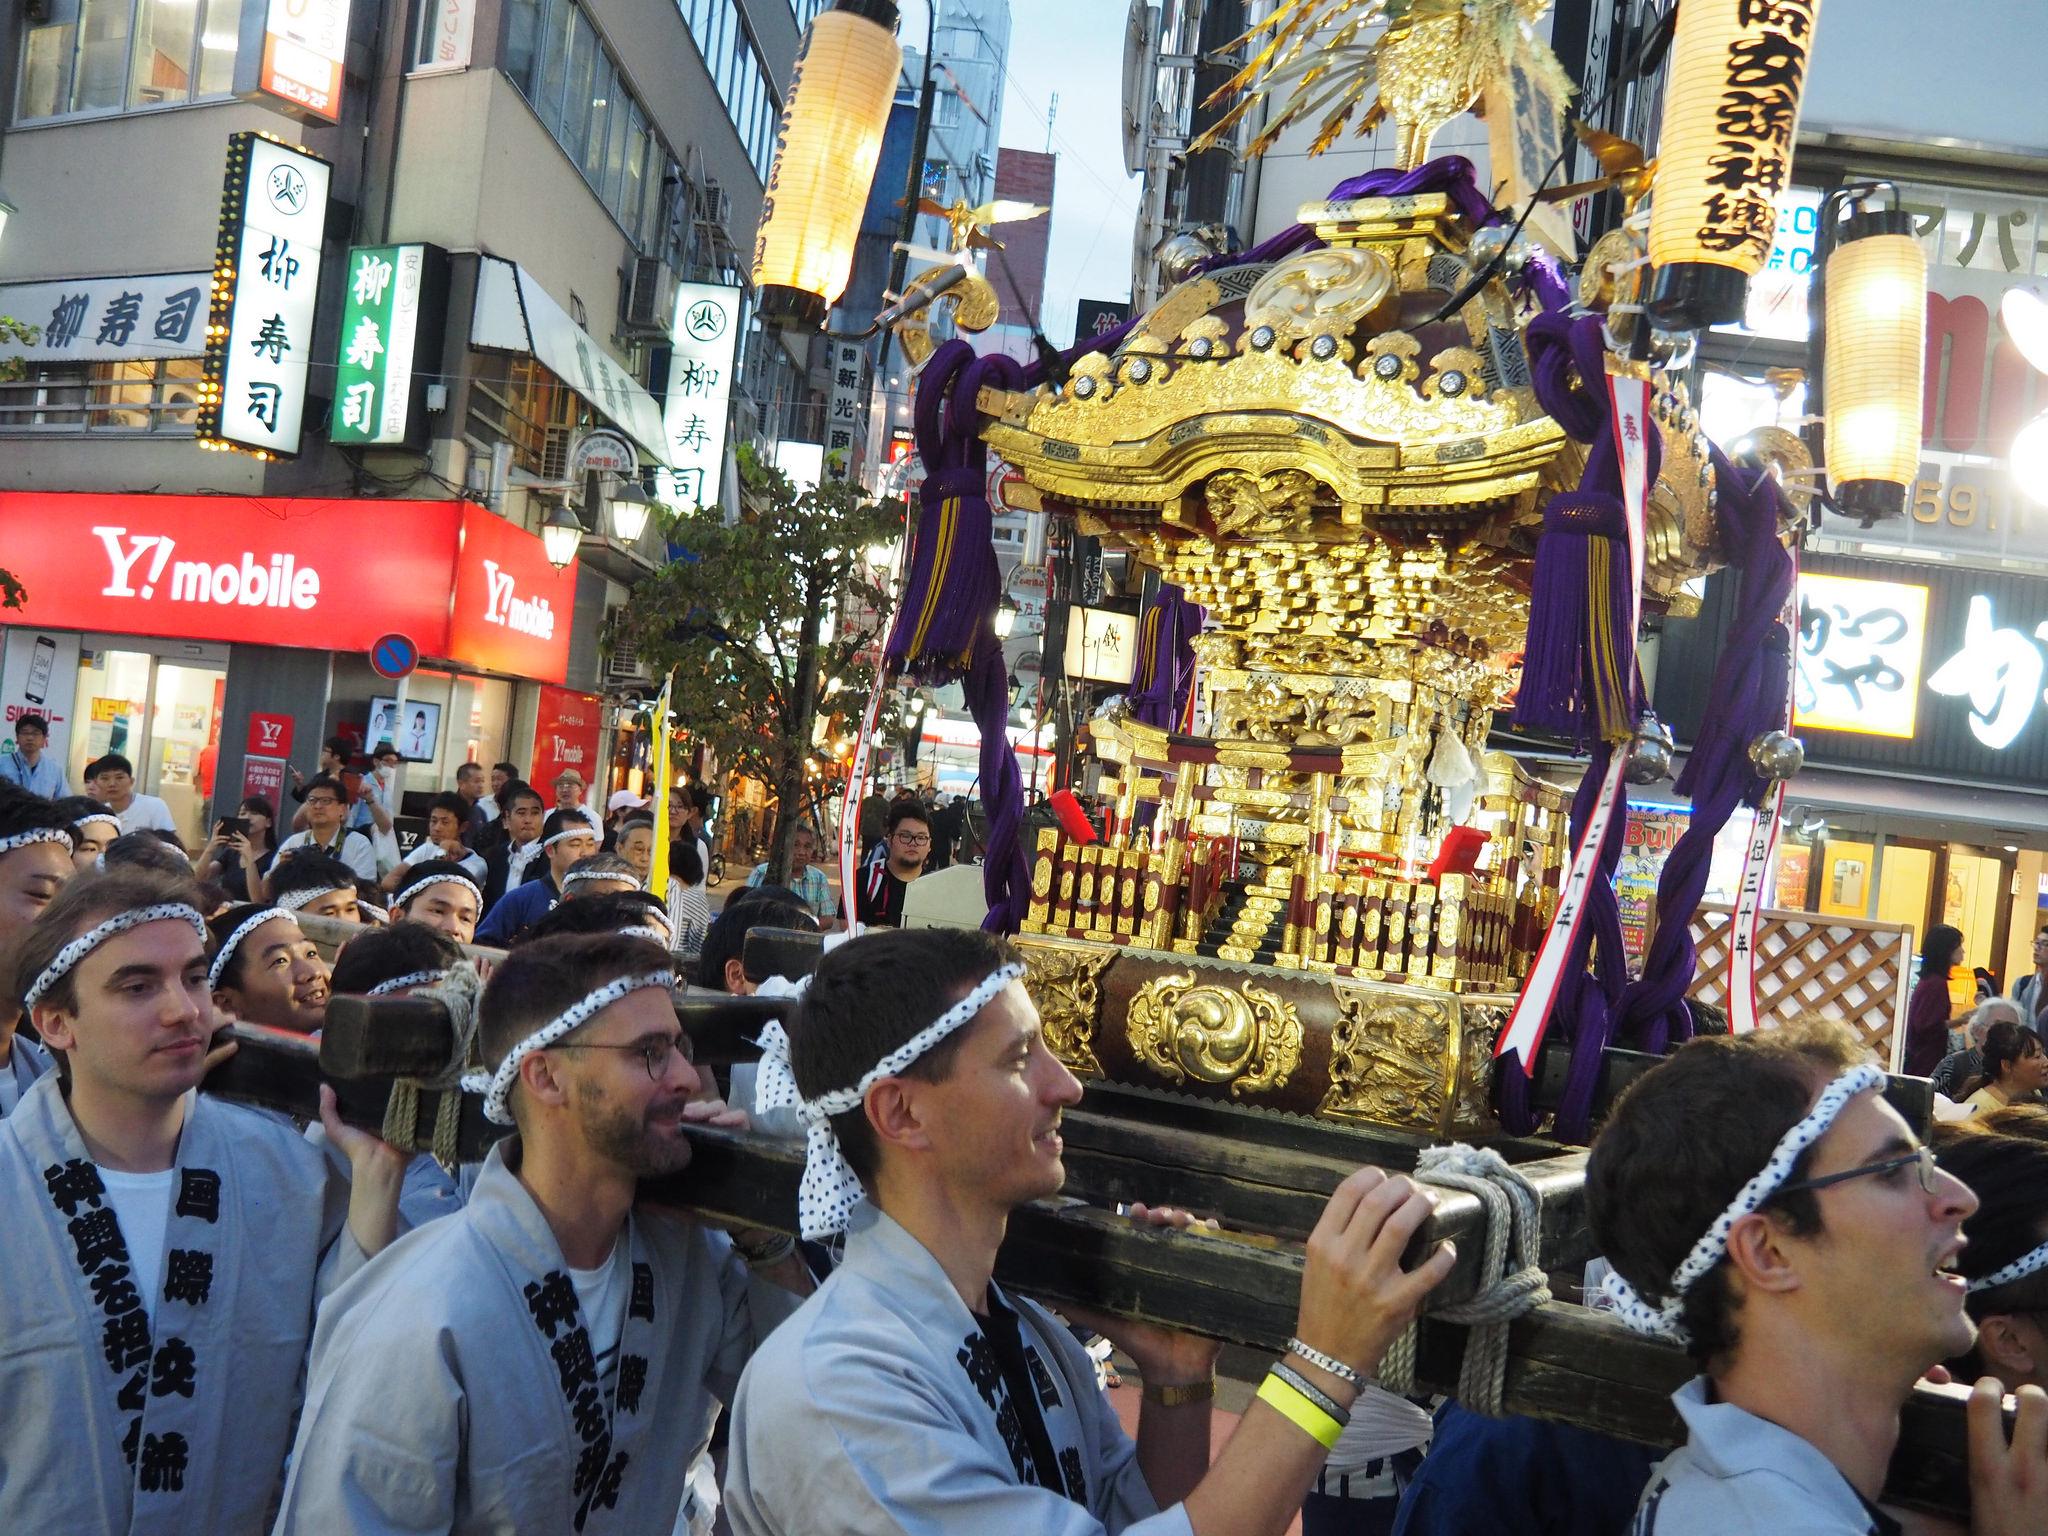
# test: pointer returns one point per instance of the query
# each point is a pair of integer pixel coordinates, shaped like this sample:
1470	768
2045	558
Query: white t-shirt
602	1291
142	1204
354	850
146	813
472	863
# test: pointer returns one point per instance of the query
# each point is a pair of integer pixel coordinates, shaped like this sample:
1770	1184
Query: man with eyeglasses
326	809
549	1358
878	897
1803	1250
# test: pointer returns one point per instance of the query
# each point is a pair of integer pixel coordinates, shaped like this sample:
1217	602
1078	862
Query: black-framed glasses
655	1052
1924	1156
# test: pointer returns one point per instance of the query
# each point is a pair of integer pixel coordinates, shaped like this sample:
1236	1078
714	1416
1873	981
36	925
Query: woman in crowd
2006	1262
1927	1012
232	855
2015	1067
93	826
265	970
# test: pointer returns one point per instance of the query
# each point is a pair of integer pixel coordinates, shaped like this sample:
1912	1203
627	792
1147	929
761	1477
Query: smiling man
165	1250
912	1393
317	885
266	971
1804	1254
547	1359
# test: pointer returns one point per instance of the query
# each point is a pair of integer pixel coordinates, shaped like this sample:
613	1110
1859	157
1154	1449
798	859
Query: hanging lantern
1873	292
1724	152
826	151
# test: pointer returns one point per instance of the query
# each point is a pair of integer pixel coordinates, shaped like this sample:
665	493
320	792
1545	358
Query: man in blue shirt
565	837
28	765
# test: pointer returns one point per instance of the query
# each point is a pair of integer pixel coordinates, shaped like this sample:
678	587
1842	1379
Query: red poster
512	609
270	736
263	776
336	575
566	736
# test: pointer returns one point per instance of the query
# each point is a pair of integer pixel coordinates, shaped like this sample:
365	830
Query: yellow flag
657	873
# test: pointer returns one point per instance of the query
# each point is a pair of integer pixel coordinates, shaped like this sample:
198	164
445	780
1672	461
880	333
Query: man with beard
1804	1254
549	1358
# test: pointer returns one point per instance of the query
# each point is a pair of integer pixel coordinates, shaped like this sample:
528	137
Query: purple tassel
1166	658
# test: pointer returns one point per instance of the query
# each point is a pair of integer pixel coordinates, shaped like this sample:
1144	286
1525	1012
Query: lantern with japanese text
1724	153
825	156
1873	339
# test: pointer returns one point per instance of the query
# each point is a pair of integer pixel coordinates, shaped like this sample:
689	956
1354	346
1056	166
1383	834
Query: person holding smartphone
243	843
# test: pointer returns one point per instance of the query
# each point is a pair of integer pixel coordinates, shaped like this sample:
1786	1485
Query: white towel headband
830	1188
291	901
233	941
1663	1321
69	956
400	983
497	1086
34	835
2030	1263
407	894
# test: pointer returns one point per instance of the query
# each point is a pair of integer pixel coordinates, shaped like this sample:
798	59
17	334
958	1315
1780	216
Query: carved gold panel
1064	981
1227	1033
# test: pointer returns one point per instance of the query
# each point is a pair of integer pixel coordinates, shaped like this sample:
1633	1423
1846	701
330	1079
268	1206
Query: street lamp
1006	616
833	118
561	534
629	508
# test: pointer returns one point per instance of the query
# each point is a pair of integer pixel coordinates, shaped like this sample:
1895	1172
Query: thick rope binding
1512	1281
459	991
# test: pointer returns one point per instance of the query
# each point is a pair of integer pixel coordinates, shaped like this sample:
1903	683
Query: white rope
2026	1264
1663	1321
413	890
68	957
400	983
830	1188
34	835
497	1086
233	941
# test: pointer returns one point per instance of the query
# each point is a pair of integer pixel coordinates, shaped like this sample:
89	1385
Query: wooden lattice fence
1846	968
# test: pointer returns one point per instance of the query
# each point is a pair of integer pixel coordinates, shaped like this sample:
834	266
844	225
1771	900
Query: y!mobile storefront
213	639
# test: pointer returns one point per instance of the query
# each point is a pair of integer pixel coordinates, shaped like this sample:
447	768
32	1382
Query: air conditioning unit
716	203
623	666
650	298
555	446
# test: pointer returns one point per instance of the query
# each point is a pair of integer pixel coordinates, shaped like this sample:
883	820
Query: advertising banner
38	674
566	736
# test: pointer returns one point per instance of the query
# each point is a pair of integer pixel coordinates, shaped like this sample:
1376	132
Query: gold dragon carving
1065	984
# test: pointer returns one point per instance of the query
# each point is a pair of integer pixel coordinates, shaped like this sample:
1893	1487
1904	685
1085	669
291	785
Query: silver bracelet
768	1255
1312	1392
1323	1362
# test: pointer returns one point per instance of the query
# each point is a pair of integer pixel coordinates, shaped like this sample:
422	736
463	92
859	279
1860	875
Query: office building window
107	56
155	395
737	71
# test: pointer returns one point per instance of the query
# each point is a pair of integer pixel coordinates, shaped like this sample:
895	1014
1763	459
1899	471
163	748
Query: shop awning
1967	813
514	314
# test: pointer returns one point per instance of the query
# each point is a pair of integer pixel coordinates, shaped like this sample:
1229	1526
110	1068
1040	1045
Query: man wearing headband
266	971
441	894
314	885
93	826
2006	1264
548	1360
35	861
912	1393
165	1250
601	874
1763	1205
565	839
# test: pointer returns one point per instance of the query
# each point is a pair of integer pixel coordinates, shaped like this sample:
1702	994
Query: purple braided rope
1748	696
1449	174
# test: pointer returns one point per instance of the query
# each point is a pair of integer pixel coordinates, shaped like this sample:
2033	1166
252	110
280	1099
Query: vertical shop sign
702	347
304	43
391	303
565	736
266	278
844	427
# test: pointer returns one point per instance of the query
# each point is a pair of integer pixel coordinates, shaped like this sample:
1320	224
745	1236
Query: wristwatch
1181	1394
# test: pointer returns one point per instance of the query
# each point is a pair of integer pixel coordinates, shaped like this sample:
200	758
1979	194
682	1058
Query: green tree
12	593
741	619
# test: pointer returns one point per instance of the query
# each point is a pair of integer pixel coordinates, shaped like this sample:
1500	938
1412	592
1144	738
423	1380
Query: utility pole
1052	112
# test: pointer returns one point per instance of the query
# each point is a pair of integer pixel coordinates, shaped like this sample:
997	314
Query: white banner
109	319
703	343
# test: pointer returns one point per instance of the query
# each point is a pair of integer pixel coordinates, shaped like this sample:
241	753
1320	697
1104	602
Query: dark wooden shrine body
1264	1176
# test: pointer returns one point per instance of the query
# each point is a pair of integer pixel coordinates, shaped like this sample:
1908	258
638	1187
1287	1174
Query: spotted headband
598	874
400	983
233	941
496	1087
69	956
291	901
34	835
2030	1263
830	1188
642	931
1663	1321
577	828
107	816
407	894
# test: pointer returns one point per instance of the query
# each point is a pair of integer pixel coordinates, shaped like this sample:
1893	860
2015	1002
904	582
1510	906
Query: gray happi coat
26	1062
109	1424
453	1388
875	1412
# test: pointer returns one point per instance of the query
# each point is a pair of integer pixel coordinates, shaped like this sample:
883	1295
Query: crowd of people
218	1319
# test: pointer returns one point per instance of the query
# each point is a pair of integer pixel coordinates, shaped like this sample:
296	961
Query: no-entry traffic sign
394	656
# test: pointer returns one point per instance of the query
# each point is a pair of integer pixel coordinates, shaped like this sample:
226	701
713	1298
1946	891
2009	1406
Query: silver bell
1649	753
1777	754
1493	242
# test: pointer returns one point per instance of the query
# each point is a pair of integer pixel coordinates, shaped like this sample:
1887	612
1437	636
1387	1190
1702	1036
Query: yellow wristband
1304	1414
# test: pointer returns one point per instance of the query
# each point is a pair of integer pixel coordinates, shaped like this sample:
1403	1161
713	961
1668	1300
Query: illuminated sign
304	42
266	280
390	288
1860	646
1999	670
1102	645
699	398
